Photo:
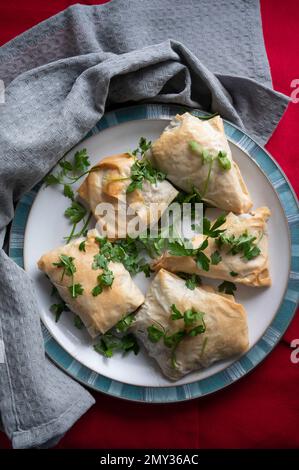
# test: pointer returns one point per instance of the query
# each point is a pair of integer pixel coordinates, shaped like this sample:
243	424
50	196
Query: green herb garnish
76	290
142	168
216	258
233	274
154	333
244	245
191	280
109	344
227	287
190	318
82	246
223	160
78	322
202	261
213	231
57	309
124	324
67	263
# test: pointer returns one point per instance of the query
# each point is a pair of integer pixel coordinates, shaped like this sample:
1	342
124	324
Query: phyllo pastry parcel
97	289
110	181
195	153
238	254
186	330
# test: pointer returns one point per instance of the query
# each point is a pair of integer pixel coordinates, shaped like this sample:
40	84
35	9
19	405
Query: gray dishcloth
60	77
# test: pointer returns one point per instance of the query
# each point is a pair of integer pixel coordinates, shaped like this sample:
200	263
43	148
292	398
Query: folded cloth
60	77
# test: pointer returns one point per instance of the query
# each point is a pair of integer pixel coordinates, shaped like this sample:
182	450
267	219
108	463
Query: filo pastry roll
212	326
196	154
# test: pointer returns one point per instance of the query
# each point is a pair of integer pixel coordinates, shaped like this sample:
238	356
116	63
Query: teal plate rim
271	336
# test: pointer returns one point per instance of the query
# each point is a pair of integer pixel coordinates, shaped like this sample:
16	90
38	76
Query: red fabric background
262	409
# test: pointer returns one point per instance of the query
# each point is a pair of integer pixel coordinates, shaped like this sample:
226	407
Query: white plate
46	227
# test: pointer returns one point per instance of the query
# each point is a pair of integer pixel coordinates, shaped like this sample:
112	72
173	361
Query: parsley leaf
176	314
143	147
177	249
227	287
99	261
142	168
68	192
57	309
124	324
233	274
154	333
51	180
81	160
191	280
107	278
202	261
66	262
76	290
192	316
216	258
195	147
75	212
97	290
110	343
243	244
192	197
211	231
197	330
78	322
82	246
173	340
223	160
66	166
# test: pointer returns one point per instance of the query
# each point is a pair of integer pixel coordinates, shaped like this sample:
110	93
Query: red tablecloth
262	409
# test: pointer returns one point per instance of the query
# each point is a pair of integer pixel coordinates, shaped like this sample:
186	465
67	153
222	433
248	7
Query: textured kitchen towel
60	77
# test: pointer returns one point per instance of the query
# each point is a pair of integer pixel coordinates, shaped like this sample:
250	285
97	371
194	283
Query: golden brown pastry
196	153
234	268
108	184
99	312
221	326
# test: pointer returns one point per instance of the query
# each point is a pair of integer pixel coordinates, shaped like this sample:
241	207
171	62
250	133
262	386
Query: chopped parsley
155	333
69	269
227	287
191	280
190	318
142	168
75	290
216	258
125	323
82	246
233	274
223	160
67	263
75	212
78	323
209	158
202	261
109	344
244	245
57	309
103	280
70	172
213	231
